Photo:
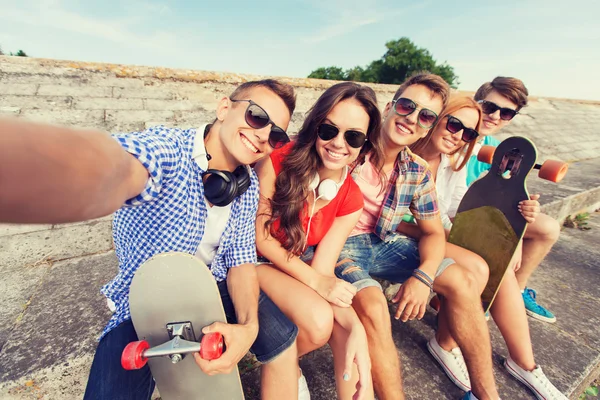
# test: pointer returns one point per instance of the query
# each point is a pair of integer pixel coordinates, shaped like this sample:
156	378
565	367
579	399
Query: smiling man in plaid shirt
375	247
156	181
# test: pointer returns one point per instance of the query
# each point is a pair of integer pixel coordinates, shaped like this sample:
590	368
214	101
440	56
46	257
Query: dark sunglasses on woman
455	125
404	107
489	107
258	118
354	139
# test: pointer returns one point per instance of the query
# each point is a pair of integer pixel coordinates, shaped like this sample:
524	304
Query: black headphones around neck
222	187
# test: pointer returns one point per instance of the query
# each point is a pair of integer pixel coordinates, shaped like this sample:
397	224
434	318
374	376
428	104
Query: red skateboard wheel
212	346
132	356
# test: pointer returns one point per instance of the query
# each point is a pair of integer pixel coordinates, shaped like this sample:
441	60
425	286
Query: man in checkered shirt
155	180
376	247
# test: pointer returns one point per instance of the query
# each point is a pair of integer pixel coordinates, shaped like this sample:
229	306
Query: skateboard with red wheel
488	221
172	297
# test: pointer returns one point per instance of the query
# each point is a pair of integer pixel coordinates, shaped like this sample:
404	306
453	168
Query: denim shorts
393	259
276	332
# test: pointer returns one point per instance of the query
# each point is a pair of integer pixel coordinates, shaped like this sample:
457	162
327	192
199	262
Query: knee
464	284
546	228
374	313
480	271
320	325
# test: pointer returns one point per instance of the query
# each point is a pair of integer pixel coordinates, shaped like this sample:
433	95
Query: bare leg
466	323
372	309
509	314
537	242
479	269
309	311
345	389
279	378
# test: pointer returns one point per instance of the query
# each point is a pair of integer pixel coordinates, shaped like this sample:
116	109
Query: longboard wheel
212	346
486	154
132	356
553	170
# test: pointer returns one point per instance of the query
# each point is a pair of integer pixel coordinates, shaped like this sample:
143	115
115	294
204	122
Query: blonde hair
461	155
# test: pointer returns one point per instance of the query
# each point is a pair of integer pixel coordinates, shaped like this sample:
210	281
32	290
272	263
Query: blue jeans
108	380
394	260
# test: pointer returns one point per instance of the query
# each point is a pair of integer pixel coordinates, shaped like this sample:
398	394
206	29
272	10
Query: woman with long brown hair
309	205
447	148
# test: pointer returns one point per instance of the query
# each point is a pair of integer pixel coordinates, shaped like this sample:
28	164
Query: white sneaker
535	380
303	393
453	364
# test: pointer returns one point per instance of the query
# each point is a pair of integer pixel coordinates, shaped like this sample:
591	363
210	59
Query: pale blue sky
552	45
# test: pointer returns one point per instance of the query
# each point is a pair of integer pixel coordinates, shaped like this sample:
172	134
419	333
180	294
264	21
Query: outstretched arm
52	174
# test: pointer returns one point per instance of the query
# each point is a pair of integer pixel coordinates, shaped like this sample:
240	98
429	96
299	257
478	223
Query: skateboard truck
136	354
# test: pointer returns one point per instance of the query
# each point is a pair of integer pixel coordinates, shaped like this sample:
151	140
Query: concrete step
53	313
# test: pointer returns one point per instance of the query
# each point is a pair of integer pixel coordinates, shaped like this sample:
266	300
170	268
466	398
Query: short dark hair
283	90
512	88
433	82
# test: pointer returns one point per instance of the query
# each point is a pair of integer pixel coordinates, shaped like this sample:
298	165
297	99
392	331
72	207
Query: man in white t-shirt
171	190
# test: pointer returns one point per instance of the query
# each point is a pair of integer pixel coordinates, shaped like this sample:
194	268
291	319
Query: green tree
21	53
1	53
401	59
332	73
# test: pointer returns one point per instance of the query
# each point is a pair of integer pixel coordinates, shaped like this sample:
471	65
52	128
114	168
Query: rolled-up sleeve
158	150
243	250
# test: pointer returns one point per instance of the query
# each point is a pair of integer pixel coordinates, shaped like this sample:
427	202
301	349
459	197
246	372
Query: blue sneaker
469	396
534	310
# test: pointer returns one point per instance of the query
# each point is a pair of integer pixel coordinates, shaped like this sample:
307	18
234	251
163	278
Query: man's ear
223	108
387	108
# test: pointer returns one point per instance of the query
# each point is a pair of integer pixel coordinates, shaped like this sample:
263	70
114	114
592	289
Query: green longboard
177	288
488	221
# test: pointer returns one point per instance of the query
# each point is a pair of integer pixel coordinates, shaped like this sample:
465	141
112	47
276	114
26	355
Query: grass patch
579	221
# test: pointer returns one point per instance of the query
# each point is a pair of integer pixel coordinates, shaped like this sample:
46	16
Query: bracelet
423	275
423	281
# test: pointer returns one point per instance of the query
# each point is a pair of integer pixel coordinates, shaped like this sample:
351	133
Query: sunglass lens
355	139
278	138
469	135
256	117
327	132
454	125
489	107
427	118
405	106
507	114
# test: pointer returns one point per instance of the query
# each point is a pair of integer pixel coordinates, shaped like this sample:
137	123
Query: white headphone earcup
328	189
314	183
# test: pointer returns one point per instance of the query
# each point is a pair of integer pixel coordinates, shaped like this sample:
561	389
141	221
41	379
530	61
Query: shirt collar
199	153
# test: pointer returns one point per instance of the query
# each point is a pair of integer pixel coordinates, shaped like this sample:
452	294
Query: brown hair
460	156
283	90
303	161
512	88
433	82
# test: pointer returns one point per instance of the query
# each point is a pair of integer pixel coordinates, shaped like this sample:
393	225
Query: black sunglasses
455	125
404	107
489	107
354	139
258	118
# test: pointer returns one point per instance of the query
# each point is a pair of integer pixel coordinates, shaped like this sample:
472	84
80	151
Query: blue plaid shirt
170	213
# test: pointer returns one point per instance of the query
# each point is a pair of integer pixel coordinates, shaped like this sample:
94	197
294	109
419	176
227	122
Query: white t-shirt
216	218
451	186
